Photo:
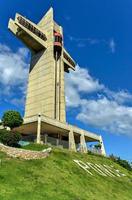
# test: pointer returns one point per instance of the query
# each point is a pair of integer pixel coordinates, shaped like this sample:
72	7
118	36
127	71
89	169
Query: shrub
123	163
12	119
97	146
10	138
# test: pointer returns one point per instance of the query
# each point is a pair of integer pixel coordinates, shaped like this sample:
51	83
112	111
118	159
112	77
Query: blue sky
98	35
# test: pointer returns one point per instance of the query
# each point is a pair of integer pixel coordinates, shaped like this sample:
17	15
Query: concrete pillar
83	146
39	130
72	145
58	140
45	138
103	152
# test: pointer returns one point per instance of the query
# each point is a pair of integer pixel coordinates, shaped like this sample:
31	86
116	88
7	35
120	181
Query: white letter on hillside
83	165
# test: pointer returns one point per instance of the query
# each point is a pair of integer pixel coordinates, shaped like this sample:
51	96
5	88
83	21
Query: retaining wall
22	153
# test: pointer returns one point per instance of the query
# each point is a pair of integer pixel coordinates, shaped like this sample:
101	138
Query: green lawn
59	178
35	147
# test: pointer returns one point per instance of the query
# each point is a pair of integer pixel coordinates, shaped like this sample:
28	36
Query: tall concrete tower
45	114
49	61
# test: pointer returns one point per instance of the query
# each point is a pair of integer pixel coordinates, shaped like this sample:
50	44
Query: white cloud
4	48
81	79
108	111
83	42
18	101
88	39
72	97
13	68
13	71
112	45
121	97
107	115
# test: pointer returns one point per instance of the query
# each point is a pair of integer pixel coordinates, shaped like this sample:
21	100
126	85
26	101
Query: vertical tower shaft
49	61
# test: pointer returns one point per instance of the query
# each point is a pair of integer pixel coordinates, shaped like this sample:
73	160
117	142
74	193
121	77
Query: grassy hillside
59	178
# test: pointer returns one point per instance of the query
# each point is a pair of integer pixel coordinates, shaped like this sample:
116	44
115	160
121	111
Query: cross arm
68	61
28	32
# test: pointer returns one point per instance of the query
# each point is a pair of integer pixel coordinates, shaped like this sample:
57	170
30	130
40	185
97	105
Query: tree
12	119
123	163
97	146
9	138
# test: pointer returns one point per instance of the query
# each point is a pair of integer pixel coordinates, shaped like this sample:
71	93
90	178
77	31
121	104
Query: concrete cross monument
45	100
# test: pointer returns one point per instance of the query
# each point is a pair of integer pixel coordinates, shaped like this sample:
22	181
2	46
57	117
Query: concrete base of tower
49	131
